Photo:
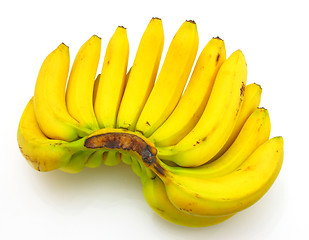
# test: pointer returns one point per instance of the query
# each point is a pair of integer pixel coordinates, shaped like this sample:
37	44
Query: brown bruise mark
123	141
159	169
147	123
242	94
197	142
225	199
242	89
186	209
218	57
160	210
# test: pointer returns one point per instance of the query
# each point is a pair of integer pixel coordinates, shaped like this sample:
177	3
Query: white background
107	203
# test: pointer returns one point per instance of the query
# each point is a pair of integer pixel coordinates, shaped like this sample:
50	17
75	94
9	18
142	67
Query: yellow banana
156	197
251	102
218	119
254	133
227	194
111	86
192	104
171	80
79	95
42	153
142	75
49	98
112	80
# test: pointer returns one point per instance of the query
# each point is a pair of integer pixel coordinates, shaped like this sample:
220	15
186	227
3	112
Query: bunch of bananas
203	153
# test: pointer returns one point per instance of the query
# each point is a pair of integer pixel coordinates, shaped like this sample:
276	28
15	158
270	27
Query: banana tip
63	47
191	21
96	36
218	38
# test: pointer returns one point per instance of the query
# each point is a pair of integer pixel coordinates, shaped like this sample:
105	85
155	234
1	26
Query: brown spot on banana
242	89
123	140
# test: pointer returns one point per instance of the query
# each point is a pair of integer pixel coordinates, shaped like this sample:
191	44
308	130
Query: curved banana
142	75
156	197
111	86
112	80
171	79
192	104
42	153
79	95
254	133
251	102
227	194
49	98
218	119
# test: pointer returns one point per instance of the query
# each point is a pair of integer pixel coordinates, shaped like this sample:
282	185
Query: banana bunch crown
194	134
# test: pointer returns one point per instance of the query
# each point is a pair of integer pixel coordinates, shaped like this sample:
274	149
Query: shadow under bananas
102	186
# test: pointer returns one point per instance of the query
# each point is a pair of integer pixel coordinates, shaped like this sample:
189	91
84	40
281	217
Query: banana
192	104
79	95
142	75
218	119
171	80
227	194
49	98
156	197
42	153
112	80
111	86
254	133
251	102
